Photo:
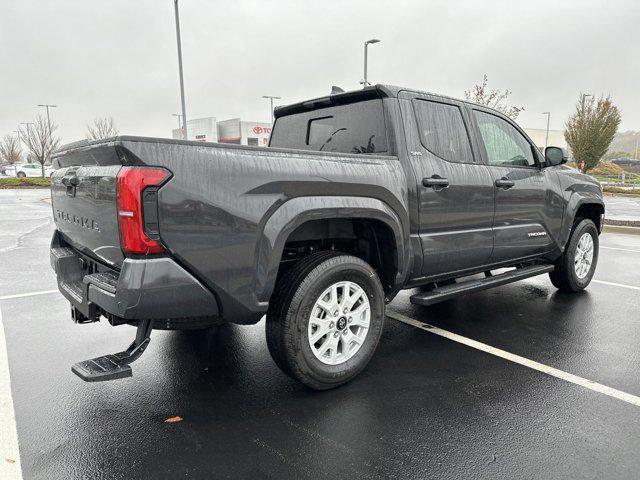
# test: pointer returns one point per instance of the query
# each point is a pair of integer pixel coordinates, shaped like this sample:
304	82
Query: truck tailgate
83	195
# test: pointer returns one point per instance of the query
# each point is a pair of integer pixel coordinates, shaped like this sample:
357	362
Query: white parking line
613	284
621	249
10	468
554	372
30	294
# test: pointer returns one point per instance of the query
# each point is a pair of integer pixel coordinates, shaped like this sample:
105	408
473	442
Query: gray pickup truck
359	195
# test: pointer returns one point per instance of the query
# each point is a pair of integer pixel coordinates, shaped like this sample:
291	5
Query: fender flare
293	213
576	200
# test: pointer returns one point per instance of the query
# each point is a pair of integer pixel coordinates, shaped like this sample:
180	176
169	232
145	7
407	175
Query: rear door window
442	130
352	128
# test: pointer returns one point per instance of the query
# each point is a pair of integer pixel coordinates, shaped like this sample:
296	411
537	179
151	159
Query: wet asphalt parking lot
426	407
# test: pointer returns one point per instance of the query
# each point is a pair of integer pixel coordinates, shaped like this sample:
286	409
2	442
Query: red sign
258	130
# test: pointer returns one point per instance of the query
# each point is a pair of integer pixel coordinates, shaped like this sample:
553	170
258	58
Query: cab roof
367	93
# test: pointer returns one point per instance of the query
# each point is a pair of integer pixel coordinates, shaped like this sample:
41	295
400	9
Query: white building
244	133
235	130
556	137
200	130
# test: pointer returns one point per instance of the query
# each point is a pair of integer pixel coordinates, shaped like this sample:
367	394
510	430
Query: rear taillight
132	181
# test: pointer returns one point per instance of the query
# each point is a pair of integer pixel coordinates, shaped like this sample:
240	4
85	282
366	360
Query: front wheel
21	174
575	268
325	319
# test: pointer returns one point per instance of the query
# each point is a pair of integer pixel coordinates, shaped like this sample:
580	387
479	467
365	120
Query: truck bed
221	213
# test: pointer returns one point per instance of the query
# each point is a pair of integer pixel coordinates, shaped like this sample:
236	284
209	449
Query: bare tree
10	150
590	130
101	128
39	140
495	99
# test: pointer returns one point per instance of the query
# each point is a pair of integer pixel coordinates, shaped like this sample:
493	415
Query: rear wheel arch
364	227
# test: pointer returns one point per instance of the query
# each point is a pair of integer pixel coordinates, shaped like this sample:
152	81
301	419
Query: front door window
505	146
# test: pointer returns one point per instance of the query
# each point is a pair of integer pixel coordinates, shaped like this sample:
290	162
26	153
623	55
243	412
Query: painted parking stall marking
29	294
554	372
614	284
9	454
620	249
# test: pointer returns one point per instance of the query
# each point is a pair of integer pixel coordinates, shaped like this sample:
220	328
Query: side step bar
440	294
116	365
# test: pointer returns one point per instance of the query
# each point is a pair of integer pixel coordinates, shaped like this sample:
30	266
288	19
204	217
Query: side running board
116	365
440	294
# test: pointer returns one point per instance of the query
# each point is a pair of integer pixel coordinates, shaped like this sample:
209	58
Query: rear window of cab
352	128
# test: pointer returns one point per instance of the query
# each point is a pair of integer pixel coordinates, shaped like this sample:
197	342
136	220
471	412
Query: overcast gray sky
118	57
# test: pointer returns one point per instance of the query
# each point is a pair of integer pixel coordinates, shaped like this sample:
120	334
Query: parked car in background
30	170
4	166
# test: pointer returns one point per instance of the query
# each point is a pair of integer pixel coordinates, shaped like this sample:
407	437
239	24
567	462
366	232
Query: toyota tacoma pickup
359	195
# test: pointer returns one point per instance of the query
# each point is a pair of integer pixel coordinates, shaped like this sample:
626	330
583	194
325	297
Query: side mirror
555	156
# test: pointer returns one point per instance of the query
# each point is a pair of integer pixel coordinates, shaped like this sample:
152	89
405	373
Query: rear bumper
153	288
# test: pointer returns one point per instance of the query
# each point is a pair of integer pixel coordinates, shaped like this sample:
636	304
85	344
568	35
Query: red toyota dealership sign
258	130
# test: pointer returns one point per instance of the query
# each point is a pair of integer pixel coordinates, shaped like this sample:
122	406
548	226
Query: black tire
564	276
21	175
290	309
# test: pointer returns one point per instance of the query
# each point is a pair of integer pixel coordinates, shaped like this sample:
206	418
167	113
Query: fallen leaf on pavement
173	420
9	460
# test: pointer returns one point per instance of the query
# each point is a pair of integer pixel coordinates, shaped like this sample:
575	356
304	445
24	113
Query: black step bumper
151	288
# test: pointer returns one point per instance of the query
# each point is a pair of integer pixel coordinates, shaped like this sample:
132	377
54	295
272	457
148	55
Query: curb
621	229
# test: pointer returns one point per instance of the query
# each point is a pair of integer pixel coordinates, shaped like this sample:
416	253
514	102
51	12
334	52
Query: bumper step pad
117	365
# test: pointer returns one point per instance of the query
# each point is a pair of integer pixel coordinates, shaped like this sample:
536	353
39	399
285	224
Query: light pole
584	97
28	124
546	137
27	141
366	45
271	98
48	106
184	108
179	121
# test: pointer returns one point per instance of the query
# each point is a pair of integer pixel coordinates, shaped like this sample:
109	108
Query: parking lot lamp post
28	124
179	121
364	82
48	106
184	108
546	137
271	98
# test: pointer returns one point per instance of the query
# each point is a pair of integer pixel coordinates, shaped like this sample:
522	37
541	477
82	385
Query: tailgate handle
71	181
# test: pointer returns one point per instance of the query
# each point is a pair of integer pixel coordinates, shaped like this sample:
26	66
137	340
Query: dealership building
235	130
538	135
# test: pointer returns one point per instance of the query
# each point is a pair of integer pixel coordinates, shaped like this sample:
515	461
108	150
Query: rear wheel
575	268
21	174
325	319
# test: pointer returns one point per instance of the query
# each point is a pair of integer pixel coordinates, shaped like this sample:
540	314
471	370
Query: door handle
435	181
505	183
